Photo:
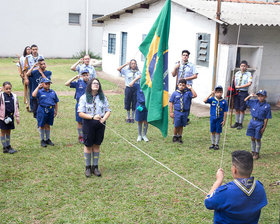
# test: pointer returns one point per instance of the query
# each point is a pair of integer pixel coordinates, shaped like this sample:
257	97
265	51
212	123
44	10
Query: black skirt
5	126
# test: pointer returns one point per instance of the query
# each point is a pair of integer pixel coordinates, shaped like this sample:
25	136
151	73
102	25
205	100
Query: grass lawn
47	185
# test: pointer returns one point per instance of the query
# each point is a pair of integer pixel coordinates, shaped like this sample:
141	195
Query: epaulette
222	188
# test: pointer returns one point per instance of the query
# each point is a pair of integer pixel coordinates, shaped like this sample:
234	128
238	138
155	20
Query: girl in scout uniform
130	98
8	110
94	109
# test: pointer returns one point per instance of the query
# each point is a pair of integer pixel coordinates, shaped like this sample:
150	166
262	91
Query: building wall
45	23
268	37
183	28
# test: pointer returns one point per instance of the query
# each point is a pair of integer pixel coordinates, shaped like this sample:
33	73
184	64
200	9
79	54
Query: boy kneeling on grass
241	200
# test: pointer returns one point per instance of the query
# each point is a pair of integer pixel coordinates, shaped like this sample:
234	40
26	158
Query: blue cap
262	92
218	87
41	58
46	80
85	71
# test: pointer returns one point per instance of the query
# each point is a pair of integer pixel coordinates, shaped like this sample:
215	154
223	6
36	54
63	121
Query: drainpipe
86	27
218	14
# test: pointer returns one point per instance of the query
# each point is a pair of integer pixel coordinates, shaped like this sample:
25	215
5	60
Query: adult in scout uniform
94	109
130	71
83	64
243	79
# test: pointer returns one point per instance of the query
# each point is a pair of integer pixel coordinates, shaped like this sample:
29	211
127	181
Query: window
143	38
94	16
112	43
74	18
203	45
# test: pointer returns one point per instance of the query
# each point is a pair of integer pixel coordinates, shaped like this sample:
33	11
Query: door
124	47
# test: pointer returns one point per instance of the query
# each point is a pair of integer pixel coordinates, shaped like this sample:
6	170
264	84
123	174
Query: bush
81	54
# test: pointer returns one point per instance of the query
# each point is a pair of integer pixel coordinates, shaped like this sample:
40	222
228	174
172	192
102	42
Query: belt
50	107
181	110
257	119
241	91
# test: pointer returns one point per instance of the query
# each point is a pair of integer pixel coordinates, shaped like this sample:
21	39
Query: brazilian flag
154	79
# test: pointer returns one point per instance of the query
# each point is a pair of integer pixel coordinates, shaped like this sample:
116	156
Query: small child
181	101
46	111
80	85
218	115
9	108
141	112
241	200
261	112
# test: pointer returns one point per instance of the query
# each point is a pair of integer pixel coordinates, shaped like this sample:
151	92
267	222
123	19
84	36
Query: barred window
112	43
74	18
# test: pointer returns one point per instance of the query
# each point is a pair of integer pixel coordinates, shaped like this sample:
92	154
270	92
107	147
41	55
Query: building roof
233	12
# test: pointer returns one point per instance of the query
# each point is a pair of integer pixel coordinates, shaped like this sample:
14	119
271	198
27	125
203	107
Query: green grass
47	185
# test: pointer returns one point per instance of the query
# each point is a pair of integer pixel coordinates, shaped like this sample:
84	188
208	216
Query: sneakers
131	121
256	156
81	140
216	147
43	143
9	150
235	125
239	126
174	139
180	140
49	142
145	138
212	146
88	171
139	138
127	120
95	171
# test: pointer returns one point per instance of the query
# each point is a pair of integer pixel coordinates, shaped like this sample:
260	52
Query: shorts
130	98
78	118
254	129
216	125
141	115
45	115
180	118
4	126
93	132
239	103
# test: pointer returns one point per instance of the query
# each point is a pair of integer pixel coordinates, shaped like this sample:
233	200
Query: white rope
156	160
229	106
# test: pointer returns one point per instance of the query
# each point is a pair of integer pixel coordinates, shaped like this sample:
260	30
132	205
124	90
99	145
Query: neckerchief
240	80
247	185
133	73
218	107
181	99
184	67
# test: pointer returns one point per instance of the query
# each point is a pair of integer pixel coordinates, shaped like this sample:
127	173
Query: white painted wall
183	28
45	23
268	37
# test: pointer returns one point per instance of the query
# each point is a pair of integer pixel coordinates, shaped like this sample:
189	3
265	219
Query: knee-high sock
8	140
3	141
128	114
139	129
48	134
253	145
132	114
213	139
42	134
88	159
237	118
258	146
145	129
241	118
218	139
95	158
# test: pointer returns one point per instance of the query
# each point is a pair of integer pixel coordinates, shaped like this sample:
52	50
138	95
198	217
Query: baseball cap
262	92
218	87
46	80
85	71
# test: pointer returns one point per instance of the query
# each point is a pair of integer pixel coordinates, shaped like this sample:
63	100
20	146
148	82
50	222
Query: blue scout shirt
186	70
181	100
239	201
242	79
218	107
140	95
259	110
130	75
94	108
90	68
35	79
80	85
47	98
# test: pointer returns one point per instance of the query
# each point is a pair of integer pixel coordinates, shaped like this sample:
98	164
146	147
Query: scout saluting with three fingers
94	109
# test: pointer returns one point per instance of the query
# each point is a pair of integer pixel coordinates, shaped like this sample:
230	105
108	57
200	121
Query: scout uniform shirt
31	60
181	100
97	107
35	79
90	68
130	75
80	85
47	98
259	111
186	70
218	107
242	79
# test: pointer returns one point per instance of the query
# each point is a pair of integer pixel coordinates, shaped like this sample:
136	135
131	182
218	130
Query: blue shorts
239	103
254	128
78	118
45	116
130	98
216	125
141	115
180	118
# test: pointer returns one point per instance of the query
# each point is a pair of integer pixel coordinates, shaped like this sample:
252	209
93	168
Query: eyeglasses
95	83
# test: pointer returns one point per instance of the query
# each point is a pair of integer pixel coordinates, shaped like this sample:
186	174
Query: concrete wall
268	37
183	28
45	23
